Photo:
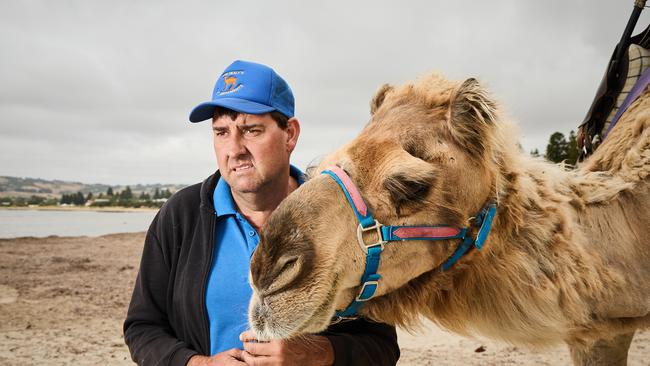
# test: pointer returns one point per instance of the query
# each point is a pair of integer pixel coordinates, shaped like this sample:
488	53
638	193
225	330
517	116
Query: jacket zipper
206	323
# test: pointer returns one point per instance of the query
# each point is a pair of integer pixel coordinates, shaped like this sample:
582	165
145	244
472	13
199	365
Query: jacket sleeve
147	331
361	342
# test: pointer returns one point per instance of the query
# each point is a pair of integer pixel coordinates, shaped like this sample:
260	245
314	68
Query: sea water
18	223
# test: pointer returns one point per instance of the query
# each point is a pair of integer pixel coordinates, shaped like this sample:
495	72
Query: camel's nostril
260	318
261	309
257	317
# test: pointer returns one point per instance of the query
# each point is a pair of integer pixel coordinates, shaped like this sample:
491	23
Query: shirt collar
222	199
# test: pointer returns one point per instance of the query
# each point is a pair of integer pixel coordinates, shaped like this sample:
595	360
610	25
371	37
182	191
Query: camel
567	258
230	81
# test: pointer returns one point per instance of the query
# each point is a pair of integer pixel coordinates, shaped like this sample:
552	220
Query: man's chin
246	186
241	181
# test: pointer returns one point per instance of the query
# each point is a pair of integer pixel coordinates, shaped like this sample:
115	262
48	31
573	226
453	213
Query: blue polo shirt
228	290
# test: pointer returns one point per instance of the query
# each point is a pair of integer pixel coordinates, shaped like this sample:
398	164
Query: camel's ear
472	115
378	99
409	183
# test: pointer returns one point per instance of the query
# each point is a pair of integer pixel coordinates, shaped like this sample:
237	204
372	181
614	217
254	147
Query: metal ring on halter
360	230
363	289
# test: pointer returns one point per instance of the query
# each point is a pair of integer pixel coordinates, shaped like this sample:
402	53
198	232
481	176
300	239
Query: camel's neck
534	280
544	271
537	204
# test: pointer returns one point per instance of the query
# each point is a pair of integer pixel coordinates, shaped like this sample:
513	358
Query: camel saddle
626	65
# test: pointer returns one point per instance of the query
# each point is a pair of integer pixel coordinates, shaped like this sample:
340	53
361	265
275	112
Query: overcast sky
100	91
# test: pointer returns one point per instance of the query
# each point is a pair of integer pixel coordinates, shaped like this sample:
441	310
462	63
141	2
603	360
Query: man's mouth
242	167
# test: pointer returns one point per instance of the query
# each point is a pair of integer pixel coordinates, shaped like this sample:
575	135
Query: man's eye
253	132
219	133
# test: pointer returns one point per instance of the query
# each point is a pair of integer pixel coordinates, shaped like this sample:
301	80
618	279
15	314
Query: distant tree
65	199
156	194
557	148
534	153
78	199
144	196
572	149
50	202
166	193
35	200
126	194
20	201
109	192
89	196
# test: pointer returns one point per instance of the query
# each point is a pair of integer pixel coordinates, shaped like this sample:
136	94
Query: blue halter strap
370	278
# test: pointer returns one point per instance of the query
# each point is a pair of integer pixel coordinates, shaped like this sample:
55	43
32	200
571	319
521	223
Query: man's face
253	151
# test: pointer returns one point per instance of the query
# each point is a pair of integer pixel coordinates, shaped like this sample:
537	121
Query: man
191	294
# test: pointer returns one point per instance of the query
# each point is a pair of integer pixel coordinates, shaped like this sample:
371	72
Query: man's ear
293	132
472	116
379	97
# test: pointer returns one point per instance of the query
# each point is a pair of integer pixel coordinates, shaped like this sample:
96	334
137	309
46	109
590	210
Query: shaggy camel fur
568	257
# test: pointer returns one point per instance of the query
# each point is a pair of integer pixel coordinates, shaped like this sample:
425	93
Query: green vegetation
124	198
22	192
560	149
30	201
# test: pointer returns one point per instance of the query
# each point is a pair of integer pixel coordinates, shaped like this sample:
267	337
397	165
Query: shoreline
81	208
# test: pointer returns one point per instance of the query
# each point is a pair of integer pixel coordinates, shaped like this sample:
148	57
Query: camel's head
423	159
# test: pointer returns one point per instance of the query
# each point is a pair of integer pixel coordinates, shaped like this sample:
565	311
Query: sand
63	300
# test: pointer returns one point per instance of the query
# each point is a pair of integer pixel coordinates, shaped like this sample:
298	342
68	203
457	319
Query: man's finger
258	348
247	336
234	352
252	360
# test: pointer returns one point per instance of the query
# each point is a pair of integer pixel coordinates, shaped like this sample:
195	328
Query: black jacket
166	323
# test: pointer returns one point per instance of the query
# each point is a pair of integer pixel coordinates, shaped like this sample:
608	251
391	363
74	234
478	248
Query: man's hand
231	357
309	350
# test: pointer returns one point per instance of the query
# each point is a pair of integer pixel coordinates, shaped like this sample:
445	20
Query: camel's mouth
281	317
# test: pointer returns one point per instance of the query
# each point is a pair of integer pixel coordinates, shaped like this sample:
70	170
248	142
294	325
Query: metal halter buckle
360	230
363	288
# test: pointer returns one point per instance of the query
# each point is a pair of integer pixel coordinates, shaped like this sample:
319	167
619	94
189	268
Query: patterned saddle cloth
612	94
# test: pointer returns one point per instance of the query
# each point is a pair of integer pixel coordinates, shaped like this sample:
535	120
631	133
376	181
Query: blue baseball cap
247	87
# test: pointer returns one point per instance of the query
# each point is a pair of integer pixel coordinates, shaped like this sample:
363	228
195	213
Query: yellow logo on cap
232	84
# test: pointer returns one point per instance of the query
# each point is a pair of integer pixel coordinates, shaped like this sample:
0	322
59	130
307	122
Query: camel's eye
287	264
287	270
416	149
408	190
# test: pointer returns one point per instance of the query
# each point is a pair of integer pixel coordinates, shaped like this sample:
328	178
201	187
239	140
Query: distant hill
25	187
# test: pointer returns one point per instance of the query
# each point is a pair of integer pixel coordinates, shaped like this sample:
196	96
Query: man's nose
236	146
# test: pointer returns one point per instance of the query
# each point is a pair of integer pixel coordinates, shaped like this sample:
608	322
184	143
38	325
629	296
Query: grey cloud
107	86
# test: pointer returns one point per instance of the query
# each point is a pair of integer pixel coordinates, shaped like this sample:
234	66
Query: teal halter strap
370	278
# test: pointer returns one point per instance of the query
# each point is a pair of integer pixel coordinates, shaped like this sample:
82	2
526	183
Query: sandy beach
63	300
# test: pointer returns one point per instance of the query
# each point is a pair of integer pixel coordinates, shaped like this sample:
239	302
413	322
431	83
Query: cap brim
205	110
